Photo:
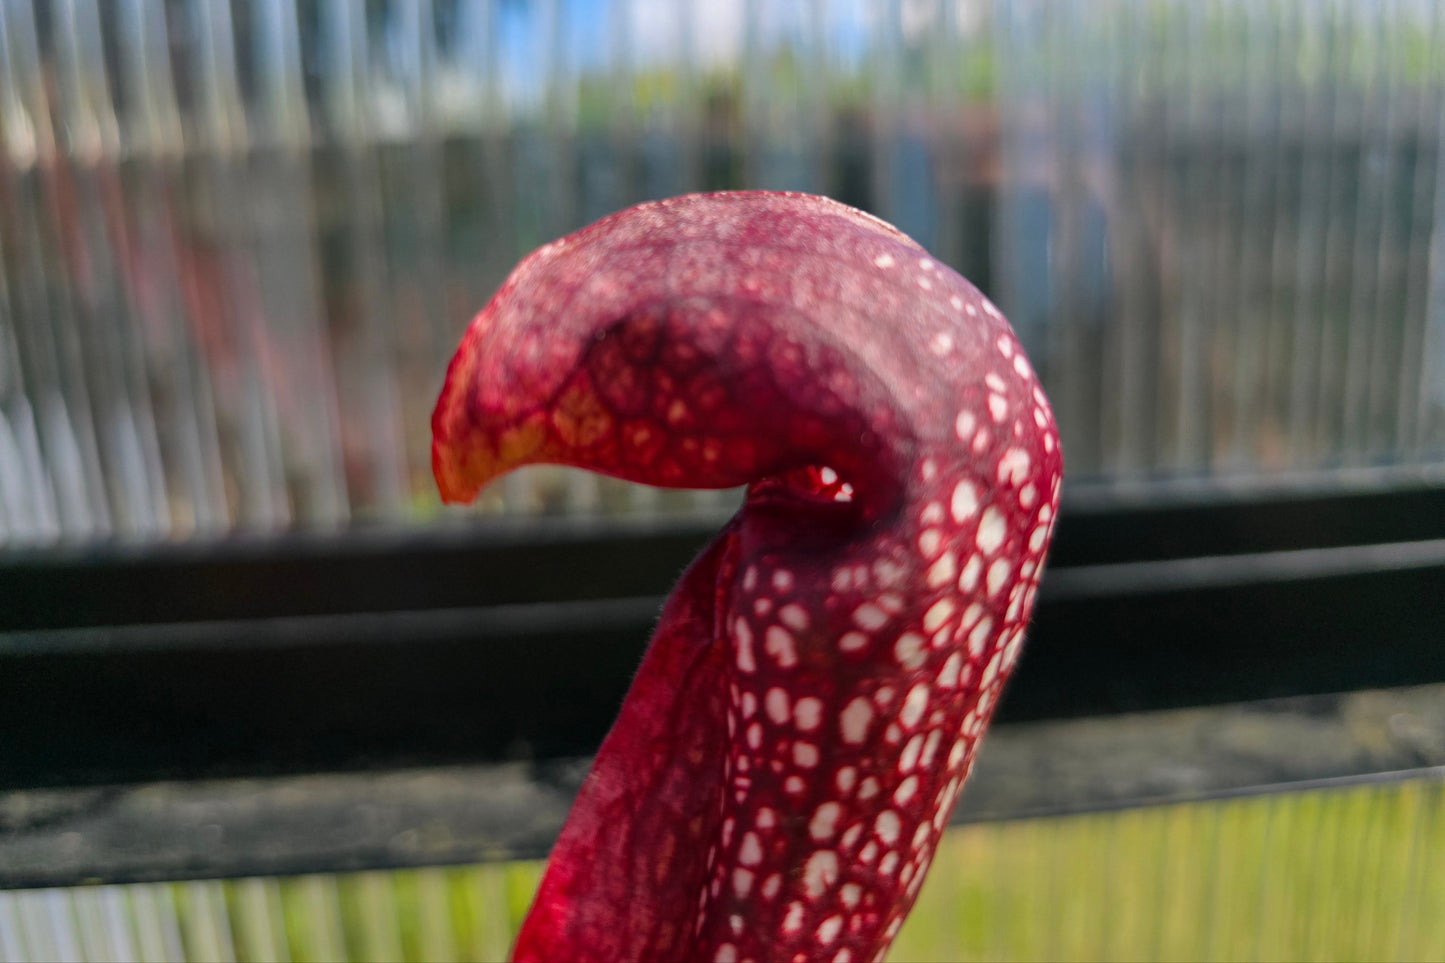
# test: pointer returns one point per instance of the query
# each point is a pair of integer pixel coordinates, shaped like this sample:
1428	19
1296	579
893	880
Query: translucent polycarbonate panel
1220	230
239	240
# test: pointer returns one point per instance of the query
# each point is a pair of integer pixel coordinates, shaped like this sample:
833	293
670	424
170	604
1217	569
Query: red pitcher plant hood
810	703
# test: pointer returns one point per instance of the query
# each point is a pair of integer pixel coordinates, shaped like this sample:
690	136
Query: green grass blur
1346	874
1350	874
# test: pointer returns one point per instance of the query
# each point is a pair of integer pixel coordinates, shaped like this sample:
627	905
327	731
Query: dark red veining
809	706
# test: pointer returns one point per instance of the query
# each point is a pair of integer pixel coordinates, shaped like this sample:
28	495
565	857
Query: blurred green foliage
1343	874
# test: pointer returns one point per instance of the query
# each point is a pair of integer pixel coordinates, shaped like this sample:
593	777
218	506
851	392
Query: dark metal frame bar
503	642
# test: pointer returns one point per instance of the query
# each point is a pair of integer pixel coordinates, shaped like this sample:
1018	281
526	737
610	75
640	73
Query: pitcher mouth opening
809	487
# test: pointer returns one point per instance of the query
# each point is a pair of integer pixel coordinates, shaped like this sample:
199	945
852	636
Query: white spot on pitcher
992	529
820	873
779	644
964	503
909	651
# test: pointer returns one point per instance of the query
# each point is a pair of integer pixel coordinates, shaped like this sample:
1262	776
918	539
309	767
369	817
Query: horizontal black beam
579	559
303	655
1155	521
248	578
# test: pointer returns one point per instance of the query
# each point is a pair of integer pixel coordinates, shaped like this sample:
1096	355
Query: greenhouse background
239	240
